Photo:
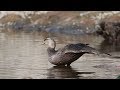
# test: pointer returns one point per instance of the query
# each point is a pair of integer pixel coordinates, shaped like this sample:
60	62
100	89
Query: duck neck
51	51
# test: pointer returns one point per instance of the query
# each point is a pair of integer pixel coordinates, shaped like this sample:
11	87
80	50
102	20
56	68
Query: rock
110	31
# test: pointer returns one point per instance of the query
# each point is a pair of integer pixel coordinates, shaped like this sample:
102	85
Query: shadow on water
64	72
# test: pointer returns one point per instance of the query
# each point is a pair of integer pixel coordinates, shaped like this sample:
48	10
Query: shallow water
23	57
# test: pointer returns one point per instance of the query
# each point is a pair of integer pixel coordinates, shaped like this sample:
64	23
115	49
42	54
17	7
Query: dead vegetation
10	18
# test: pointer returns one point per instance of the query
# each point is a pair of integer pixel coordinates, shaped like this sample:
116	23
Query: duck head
50	42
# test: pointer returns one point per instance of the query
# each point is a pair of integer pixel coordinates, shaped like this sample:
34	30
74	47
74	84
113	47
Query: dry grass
10	18
59	17
114	18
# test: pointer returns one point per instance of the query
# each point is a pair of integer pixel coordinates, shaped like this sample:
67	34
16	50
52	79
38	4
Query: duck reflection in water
64	72
109	47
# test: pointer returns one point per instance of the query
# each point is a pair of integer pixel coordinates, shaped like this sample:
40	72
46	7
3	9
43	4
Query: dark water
23	57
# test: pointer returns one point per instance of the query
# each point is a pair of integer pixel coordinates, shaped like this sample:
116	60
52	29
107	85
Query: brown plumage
67	54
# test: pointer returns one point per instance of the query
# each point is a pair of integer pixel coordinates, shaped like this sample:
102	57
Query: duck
67	54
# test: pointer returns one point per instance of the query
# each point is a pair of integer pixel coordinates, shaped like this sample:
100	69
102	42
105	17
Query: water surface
23	57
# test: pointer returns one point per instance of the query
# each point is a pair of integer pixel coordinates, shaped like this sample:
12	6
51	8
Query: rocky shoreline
67	22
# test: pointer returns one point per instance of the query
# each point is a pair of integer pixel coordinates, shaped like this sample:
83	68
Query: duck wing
79	48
